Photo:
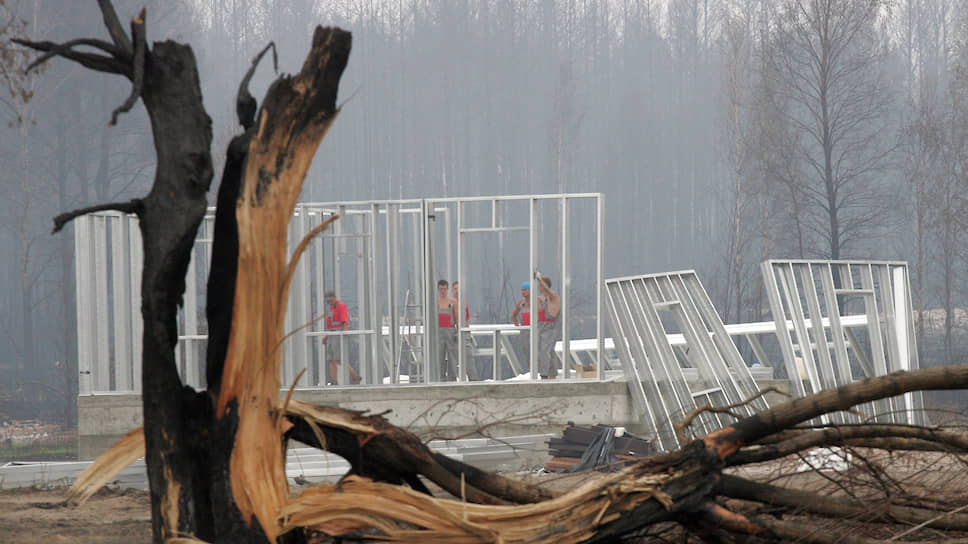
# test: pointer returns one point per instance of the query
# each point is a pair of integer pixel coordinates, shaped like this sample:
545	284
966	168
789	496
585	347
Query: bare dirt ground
112	516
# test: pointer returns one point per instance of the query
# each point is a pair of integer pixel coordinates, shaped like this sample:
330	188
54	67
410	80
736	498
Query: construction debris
585	448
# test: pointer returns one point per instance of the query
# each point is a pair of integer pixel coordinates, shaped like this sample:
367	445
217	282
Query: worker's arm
515	314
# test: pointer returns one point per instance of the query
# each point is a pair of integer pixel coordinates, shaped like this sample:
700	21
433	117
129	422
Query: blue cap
526	285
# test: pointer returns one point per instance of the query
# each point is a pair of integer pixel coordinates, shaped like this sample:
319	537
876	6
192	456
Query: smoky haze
701	122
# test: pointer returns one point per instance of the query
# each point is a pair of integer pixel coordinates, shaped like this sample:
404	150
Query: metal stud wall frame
840	295
643	311
382	258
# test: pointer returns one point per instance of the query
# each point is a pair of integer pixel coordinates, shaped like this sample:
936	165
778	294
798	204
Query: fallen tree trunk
684	486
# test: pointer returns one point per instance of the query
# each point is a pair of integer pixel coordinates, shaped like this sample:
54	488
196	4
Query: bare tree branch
245	104
133	206
789	414
97	44
115	29
942	439
378	450
680	427
98	63
138	68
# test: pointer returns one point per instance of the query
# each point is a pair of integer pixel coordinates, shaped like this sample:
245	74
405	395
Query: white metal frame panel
805	293
109	261
660	392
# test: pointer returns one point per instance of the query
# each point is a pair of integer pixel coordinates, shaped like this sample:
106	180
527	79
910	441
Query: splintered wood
294	118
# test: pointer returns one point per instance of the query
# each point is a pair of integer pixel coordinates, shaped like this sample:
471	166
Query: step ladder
413	339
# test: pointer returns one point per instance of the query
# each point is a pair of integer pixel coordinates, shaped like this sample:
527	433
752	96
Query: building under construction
638	351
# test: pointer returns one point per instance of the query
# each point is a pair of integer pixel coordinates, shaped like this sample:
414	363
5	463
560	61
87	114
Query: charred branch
684	481
681	426
902	444
790	414
494	484
385	453
898	437
98	63
134	206
245	103
295	116
224	262
113	24
137	68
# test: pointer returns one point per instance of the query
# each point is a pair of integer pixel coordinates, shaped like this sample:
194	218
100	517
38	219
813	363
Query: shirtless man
446	332
549	330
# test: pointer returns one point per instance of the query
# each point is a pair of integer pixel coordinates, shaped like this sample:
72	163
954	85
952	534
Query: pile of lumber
567	451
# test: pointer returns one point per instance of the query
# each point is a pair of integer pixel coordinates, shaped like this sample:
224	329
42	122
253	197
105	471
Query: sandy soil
112	516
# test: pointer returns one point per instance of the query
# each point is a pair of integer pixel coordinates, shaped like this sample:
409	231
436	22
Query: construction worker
337	319
549	329
521	317
446	332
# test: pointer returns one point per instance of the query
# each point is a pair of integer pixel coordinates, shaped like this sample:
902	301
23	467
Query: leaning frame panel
818	307
642	310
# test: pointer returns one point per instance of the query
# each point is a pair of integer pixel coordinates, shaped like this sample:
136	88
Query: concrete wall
103	419
431	411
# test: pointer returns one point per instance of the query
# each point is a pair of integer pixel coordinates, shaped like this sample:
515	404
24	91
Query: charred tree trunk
193	450
166	79
293	119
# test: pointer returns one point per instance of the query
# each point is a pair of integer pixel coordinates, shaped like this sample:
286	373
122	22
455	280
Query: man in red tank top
446	332
549	329
337	319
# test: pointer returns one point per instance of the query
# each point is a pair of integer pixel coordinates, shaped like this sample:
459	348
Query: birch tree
824	60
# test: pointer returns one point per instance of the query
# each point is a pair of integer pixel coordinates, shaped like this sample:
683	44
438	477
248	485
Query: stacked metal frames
839	295
641	311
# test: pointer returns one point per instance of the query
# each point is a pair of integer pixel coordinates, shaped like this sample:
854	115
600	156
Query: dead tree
215	457
690	487
197	485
